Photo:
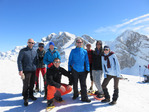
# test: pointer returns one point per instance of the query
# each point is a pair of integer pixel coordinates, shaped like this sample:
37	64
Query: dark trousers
81	76
28	84
91	76
116	90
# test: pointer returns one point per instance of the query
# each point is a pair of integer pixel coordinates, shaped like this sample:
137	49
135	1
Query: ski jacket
78	60
50	56
97	62
114	70
40	55
27	59
54	76
90	53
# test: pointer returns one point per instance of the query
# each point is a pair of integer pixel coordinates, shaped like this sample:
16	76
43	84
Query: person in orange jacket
55	88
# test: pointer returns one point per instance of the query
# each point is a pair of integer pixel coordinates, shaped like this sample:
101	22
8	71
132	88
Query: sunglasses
31	42
79	42
56	62
106	49
98	44
41	46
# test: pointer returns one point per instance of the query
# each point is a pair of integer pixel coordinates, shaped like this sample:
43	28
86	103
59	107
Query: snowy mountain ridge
131	48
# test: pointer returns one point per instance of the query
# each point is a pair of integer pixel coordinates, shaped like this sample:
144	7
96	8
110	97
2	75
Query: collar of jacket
29	48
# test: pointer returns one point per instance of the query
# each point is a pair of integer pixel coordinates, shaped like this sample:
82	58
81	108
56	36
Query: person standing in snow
51	54
90	53
56	89
27	66
78	65
40	66
49	57
97	68
111	69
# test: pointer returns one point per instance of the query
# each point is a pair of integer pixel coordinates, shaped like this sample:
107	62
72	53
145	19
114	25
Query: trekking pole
40	81
139	73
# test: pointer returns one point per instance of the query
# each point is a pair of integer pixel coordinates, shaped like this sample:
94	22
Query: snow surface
133	96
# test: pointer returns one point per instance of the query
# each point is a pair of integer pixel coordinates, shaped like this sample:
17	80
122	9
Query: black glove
87	72
70	72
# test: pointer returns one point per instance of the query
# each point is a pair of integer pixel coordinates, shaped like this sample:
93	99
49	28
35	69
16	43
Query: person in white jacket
111	69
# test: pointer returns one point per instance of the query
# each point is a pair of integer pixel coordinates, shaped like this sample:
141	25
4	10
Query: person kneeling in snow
55	88
111	69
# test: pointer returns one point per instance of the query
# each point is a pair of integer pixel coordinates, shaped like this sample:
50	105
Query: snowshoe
48	109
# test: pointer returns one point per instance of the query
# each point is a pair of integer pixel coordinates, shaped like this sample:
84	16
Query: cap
51	43
41	45
106	47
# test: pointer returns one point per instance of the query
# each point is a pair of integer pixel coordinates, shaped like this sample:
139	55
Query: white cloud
139	24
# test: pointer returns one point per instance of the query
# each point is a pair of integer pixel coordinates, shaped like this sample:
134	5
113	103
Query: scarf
107	58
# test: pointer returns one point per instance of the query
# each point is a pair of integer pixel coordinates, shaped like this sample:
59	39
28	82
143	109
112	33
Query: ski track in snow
133	95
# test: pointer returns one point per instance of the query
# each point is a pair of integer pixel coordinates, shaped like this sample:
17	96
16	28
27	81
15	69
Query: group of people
81	62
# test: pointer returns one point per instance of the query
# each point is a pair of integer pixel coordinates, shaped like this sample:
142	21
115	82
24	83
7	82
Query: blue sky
101	19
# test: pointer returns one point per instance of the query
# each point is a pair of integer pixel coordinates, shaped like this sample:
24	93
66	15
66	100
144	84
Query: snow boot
115	95
25	102
33	98
59	99
86	100
112	103
75	97
50	103
107	96
99	95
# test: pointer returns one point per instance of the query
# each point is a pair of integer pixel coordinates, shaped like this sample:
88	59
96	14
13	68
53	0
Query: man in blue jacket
27	67
78	65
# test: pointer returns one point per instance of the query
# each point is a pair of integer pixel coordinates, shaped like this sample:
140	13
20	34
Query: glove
49	65
87	72
70	72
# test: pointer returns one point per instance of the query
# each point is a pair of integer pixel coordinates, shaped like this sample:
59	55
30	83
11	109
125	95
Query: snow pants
97	76
116	90
82	77
28	84
43	71
52	91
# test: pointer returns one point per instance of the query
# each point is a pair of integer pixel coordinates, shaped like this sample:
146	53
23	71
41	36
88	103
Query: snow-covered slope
132	50
133	96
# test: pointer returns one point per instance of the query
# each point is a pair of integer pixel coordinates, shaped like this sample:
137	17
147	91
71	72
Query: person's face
79	43
41	48
51	47
88	47
30	43
57	63
98	45
106	51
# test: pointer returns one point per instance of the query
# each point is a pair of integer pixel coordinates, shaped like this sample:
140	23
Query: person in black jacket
55	88
97	68
27	67
40	67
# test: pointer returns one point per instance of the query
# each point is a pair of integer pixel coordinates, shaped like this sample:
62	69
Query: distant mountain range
131	48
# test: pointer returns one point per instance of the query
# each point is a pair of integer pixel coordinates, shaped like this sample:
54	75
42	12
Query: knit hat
40	45
51	43
106	47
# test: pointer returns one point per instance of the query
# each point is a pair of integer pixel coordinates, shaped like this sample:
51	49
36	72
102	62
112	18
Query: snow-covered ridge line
131	48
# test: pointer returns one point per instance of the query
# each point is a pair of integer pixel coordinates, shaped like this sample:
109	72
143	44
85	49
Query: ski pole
40	81
139	73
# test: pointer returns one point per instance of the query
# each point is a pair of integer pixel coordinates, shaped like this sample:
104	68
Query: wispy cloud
139	24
